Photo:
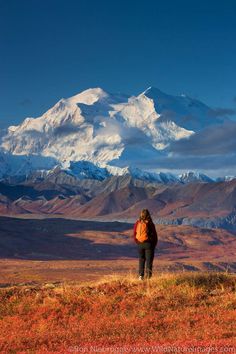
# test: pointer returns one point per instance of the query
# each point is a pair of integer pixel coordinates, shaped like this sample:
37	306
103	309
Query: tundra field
188	311
58	249
71	286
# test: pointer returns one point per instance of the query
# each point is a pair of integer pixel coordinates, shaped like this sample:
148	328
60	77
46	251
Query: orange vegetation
182	309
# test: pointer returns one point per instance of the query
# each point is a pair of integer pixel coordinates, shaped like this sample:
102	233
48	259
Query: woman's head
145	215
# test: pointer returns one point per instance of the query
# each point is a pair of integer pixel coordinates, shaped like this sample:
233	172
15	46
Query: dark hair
145	215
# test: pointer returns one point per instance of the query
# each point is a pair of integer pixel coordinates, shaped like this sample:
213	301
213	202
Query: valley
61	249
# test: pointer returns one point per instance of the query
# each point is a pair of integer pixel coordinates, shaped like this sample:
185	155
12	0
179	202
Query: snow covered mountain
114	133
194	177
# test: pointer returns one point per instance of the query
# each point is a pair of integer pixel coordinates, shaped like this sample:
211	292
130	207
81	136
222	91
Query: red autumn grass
180	309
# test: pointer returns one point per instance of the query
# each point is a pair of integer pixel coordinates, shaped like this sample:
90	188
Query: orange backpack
142	231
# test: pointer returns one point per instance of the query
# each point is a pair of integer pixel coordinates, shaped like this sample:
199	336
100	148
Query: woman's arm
134	233
154	236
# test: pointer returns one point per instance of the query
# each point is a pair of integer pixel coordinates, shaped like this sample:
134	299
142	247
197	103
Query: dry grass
183	309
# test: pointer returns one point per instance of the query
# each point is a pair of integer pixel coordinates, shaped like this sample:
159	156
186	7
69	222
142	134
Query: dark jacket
152	234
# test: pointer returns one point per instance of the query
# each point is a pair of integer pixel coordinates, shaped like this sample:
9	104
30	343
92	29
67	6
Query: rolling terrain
203	204
37	250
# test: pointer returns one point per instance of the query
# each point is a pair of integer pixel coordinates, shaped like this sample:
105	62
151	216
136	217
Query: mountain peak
191	176
152	92
105	128
89	96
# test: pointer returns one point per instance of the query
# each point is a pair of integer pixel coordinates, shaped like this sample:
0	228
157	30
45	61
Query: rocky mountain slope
197	203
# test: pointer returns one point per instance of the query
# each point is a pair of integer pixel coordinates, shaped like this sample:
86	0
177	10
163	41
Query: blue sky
56	48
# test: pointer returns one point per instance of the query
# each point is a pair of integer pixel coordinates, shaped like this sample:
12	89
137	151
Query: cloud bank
212	150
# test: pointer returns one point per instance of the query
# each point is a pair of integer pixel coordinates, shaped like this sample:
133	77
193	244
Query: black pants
146	255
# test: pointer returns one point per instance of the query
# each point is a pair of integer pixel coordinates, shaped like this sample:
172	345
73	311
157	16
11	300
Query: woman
145	236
